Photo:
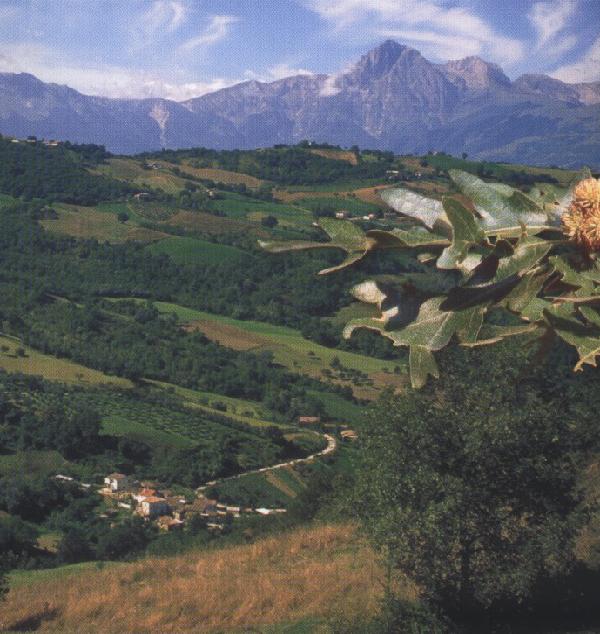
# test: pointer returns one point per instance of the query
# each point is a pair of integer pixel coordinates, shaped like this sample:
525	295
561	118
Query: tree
471	487
122	216
269	221
74	547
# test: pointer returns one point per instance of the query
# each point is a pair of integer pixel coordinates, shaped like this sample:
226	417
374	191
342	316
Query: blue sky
183	48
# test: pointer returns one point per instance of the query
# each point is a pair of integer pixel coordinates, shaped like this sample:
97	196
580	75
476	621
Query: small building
142	196
167	523
153	507
117	482
348	434
309	420
340	215
145	493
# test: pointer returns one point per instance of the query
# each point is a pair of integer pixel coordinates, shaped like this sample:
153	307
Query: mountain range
392	98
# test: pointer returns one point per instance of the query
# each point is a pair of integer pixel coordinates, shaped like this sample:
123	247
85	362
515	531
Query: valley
158	347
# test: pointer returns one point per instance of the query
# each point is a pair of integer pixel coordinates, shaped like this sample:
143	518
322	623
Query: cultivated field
132	172
338	155
317	573
220	176
193	251
289	348
52	368
89	222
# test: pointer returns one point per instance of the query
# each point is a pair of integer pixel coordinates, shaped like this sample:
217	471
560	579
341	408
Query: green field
20	578
243	207
193	251
354	206
40	463
241	410
121	425
131	171
339	408
288	346
52	368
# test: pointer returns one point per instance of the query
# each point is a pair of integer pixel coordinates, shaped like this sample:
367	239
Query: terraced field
132	172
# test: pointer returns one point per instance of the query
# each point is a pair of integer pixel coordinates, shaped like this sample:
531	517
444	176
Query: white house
154	507
116	482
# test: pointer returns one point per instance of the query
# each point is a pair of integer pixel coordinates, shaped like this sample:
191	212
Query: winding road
329	449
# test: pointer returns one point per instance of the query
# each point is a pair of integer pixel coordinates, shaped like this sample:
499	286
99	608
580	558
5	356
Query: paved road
331	447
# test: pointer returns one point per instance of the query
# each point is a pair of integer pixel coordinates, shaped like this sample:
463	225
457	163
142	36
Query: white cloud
217	29
441	31
104	80
277	71
549	19
586	69
164	15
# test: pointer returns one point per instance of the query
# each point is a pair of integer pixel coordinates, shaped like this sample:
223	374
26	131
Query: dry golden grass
221	176
339	155
227	335
207	223
371	194
315	572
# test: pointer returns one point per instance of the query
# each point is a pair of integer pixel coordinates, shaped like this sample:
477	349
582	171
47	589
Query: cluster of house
33	139
343	214
170	511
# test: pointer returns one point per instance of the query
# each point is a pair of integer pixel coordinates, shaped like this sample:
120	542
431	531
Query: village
171	511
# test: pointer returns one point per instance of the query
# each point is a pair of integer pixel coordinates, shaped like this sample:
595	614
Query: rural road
329	449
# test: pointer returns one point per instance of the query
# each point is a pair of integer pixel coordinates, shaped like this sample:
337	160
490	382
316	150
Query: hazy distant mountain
393	98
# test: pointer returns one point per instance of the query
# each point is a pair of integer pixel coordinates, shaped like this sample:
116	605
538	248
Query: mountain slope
392	98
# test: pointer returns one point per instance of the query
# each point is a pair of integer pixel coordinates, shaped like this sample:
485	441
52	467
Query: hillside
304	576
391	99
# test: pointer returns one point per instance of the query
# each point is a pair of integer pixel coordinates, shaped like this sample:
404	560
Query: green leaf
498	333
527	253
274	246
526	291
584	337
500	207
569	275
466	232
398	238
344	235
422	364
426	210
396	299
433	328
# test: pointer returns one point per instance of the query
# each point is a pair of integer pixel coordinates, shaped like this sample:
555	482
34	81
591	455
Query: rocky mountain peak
474	73
380	61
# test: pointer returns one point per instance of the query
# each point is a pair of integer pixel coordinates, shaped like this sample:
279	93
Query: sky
180	49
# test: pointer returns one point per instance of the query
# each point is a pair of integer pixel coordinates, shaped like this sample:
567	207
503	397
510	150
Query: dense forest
285	165
33	170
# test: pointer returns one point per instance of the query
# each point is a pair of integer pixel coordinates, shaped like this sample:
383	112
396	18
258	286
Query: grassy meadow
308	575
52	368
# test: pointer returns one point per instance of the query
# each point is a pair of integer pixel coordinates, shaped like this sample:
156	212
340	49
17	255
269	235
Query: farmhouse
168	523
117	482
309	420
348	434
153	507
341	214
145	493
